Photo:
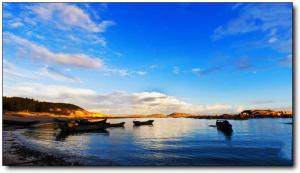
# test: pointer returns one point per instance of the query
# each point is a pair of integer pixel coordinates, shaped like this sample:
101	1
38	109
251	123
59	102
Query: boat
88	122
224	125
81	121
75	127
20	123
139	123
116	124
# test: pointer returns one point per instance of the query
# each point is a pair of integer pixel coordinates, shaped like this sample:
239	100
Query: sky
145	58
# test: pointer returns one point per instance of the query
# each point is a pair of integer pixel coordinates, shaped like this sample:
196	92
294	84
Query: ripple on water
179	141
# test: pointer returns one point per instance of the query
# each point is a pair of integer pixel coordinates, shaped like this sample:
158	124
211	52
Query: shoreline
45	117
16	153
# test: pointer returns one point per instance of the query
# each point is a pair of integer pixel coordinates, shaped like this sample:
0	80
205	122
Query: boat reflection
62	136
227	134
148	125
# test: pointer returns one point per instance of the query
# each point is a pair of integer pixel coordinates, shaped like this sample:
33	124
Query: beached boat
116	124
224	125
20	123
75	127
139	123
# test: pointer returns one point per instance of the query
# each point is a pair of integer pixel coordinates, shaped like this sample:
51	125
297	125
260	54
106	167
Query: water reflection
167	128
227	134
62	136
171	141
149	125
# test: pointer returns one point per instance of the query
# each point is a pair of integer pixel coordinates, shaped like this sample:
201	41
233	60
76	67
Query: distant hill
156	116
19	104
179	114
265	113
243	115
27	105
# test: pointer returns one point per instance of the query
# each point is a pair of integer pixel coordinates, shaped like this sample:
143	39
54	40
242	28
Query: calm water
177	141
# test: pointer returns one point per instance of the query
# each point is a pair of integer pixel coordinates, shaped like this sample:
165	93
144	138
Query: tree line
31	105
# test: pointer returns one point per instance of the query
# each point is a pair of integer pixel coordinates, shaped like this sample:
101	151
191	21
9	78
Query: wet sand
16	154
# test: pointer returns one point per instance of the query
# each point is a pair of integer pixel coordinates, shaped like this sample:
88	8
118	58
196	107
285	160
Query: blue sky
129	58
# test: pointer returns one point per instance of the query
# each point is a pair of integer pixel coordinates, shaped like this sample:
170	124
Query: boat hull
86	122
224	126
20	123
116	125
140	123
81	128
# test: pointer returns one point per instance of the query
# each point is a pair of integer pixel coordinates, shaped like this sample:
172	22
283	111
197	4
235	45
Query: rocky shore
247	114
16	154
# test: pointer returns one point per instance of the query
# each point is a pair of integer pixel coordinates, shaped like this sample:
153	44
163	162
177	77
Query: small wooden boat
116	124
224	125
139	123
20	123
88	122
75	127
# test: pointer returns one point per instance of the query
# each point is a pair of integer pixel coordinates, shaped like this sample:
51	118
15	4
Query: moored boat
89	122
75	127
116	124
139	123
224	125
20	123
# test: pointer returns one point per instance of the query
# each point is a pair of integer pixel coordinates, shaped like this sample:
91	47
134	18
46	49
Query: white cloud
70	15
10	70
74	38
16	24
142	73
120	103
286	61
122	72
31	34
176	70
196	70
272	40
30	21
255	17
274	20
43	12
57	75
96	40
153	66
272	36
7	15
117	72
31	49
235	6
